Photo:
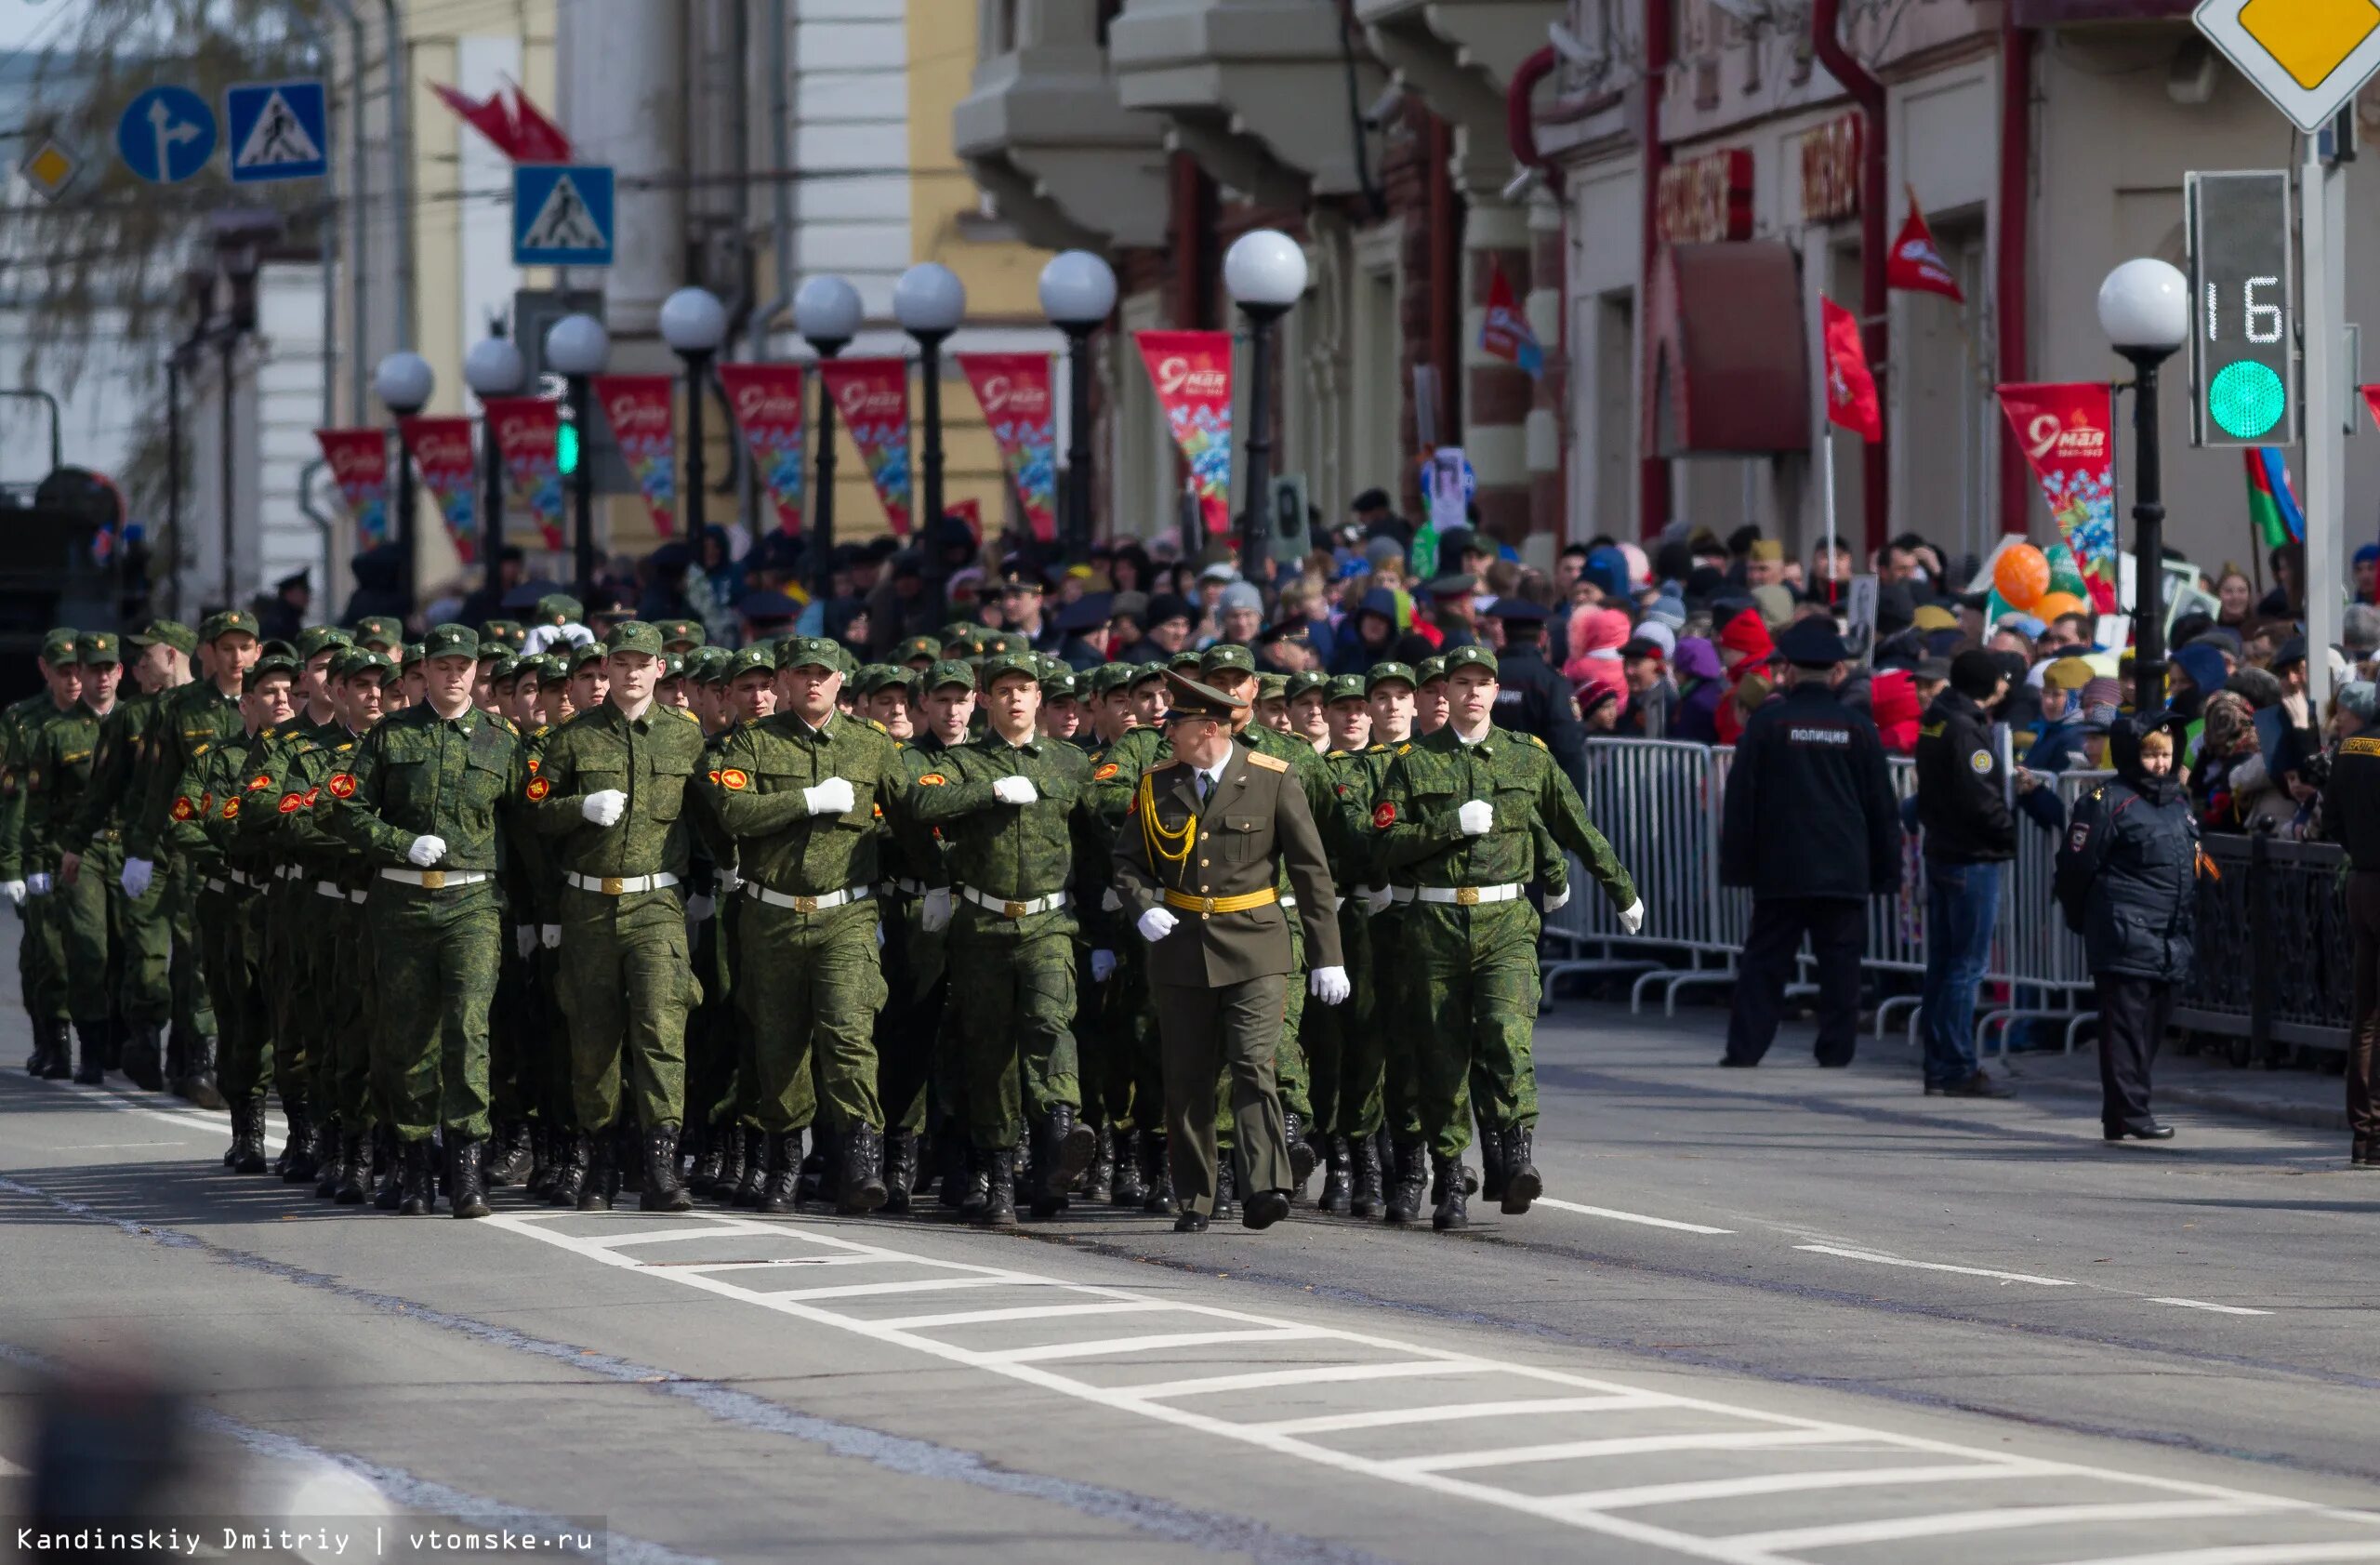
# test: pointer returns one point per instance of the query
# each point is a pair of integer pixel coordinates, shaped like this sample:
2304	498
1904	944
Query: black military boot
814	1165
389	1167
1099	1184
860	1185
662	1191
1301	1152
354	1169
1337	1182
576	1156
467	1176
953	1163
1363	1195
144	1056
247	1138
93	1065
419	1190
627	1158
975	1189
515	1156
547	1145
1156	1173
900	1171
729	1137
326	1168
1404	1203
1452	1211
703	1180
999	1190
1226	1182
297	1159
197	1082
1522	1183
603	1187
754	1185
1130	1188
1493	1173
781	1182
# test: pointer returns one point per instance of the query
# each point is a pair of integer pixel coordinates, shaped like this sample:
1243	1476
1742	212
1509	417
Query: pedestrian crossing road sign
277	130
562	214
49	170
2309	57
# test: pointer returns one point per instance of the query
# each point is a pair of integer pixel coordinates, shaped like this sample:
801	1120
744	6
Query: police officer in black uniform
1532	695
1812	827
1970	837
2351	818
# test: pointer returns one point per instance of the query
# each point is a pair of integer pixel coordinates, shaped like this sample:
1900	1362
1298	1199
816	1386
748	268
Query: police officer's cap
223	622
812	652
1225	657
315	640
96	648
450	640
171	632
1812	644
1305	681
1188	699
265	668
949	671
561	608
1517	611
1023	575
1454	584
1468	657
1003	663
1384	674
749	659
635	635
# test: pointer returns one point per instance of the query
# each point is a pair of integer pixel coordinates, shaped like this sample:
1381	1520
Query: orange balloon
2049	606
2021	575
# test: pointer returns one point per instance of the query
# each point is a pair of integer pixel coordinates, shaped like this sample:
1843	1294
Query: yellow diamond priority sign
49	170
2309	57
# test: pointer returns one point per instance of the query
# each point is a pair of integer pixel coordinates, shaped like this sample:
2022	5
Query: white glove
1558	901
1102	966
1111	901
1015	791
934	913
832	797
426	851
36	884
1155	925
1632	917
524	939
605	806
549	937
699	908
1374	899
730	882
1328	985
137	874
1478	818
15	891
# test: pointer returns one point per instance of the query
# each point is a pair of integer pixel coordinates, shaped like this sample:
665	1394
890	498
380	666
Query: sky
25	22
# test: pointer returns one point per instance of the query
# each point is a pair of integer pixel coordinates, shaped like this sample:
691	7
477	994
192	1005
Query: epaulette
1335	755
878	726
1379	749
1403	748
542	730
1177	760
1269	763
1535	741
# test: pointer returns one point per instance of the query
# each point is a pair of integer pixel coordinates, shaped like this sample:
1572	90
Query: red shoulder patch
259	780
734	780
1383	815
1106	772
342	785
231	809
536	762
538	788
184	809
932	779
292	803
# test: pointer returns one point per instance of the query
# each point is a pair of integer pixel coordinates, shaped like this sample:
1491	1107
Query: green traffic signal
2246	399
566	448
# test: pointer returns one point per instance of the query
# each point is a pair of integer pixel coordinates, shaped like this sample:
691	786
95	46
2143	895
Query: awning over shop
1727	369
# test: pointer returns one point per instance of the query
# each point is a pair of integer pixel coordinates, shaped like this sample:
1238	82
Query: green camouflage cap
451	640
1146	673
868	676
1271	687
1306	680
1108	678
222	622
960	630
265	669
379	630
690	631
917	647
1347	687
707	665
278	648
317	638
552	669
503	667
897	675
409	656
561	608
812	652
98	647
1225	656
744	659
950	670
999	663
353	660
673	666
172	632
1468	657
509	631
1380	674
1062	684
1429	670
635	635
1184	661
590	655
999	643
57	647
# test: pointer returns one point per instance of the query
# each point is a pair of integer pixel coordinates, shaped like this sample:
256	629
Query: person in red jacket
1746	651
1892	700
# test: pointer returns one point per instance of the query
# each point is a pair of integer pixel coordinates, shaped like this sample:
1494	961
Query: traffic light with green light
566	443
2243	336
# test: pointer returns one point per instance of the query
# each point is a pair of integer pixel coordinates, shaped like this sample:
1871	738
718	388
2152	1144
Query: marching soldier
56	780
41	954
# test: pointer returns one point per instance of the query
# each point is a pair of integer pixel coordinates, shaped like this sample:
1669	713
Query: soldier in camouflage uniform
58	754
1455	825
41	953
913	957
1128	1011
540	1042
1016	811
803	795
422	804
1336	1038
714	1036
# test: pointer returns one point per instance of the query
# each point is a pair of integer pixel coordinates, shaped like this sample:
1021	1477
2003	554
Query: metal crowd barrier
2275	959
1660	804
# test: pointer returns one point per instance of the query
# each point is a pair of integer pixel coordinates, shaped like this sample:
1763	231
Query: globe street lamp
826	312
2145	310
1265	272
403	382
1077	293
694	323
930	301
493	368
577	348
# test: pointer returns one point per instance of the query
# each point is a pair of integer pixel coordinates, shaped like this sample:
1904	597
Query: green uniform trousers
1404	1022
1012	998
193	1001
437	963
711	1034
234	946
811	986
627	986
1474	976
1343	1046
1130	1014
916	976
1232	1032
41	960
344	973
287	903
150	986
95	935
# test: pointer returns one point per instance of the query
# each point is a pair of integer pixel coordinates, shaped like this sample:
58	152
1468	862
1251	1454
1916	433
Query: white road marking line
1633	1445
2245	1554
1617	1216
1795	1483
1575	1510
1883	1260
1149	1342
677	1235
773	1261
2220	1309
1897	1529
870	1290
1030	1312
1388	1418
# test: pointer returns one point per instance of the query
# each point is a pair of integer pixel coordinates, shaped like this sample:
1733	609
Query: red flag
1915	262
539	139
1192	373
442	450
1014	391
2371	401
511	123
643	412
1851	399
1504	331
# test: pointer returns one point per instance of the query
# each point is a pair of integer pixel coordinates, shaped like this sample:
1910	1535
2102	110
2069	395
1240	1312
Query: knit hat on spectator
1242	595
2361	696
1745	631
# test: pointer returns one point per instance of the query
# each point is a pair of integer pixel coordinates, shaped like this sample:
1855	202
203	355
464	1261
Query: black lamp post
577	348
403	382
695	323
1077	293
826	312
2145	310
930	301
1264	272
493	368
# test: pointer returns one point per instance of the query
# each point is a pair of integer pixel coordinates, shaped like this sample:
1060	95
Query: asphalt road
1767	1316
